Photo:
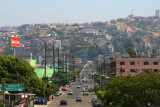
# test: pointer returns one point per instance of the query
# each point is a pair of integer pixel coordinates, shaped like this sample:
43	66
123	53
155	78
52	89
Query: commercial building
134	66
158	13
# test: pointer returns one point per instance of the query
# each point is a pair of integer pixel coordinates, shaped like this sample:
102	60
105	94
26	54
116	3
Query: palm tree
131	52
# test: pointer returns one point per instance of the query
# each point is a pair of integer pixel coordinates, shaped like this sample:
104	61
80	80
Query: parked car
97	103
79	98
86	87
58	93
63	102
93	99
66	86
84	90
90	90
70	93
70	85
64	89
40	101
85	93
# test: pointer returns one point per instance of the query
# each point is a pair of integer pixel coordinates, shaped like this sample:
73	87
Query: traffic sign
14	87
0	87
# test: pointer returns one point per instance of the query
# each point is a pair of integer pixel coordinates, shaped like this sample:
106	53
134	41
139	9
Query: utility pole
63	62
121	70
104	71
101	77
53	60
66	63
4	94
14	51
45	60
104	67
74	65
58	61
69	66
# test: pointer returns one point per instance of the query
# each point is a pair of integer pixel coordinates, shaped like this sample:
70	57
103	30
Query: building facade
158	13
134	66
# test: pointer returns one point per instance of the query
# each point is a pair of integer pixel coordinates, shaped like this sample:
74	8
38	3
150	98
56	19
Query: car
40	101
64	89
66	86
93	99
79	98
86	87
70	85
70	93
84	90
63	102
97	103
78	86
58	93
90	90
85	93
83	80
36	102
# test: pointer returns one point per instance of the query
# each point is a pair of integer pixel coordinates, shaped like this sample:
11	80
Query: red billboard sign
15	41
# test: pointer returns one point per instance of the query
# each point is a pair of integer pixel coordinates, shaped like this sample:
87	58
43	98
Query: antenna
131	10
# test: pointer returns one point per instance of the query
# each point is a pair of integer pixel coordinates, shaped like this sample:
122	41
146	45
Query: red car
64	89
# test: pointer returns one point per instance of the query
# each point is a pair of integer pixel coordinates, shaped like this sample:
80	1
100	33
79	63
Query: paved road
71	99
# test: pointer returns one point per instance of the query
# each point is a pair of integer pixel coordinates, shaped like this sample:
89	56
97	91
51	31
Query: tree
132	91
2	101
15	70
131	52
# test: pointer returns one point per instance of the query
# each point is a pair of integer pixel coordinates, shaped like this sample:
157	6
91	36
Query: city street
71	99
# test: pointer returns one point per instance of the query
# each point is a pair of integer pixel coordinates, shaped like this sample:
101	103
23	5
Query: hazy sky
17	12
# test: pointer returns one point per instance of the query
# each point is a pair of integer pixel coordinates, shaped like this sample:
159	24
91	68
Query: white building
158	13
57	43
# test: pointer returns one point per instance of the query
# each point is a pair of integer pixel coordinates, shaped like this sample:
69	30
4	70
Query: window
132	70
122	70
146	63
132	63
155	70
155	63
122	63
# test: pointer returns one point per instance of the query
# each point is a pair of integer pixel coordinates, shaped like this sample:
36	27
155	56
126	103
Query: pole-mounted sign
14	87
15	41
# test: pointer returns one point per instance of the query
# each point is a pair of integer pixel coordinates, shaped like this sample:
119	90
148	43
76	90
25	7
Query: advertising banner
15	41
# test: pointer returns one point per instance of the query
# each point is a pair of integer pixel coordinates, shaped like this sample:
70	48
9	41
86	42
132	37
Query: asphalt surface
71	99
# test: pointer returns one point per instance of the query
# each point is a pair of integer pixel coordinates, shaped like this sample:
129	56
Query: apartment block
134	66
158	13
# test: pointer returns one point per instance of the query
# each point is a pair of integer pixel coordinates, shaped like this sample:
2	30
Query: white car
57	93
60	91
78	86
85	93
70	93
79	98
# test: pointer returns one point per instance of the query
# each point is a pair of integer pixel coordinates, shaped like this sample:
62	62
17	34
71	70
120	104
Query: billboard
15	41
